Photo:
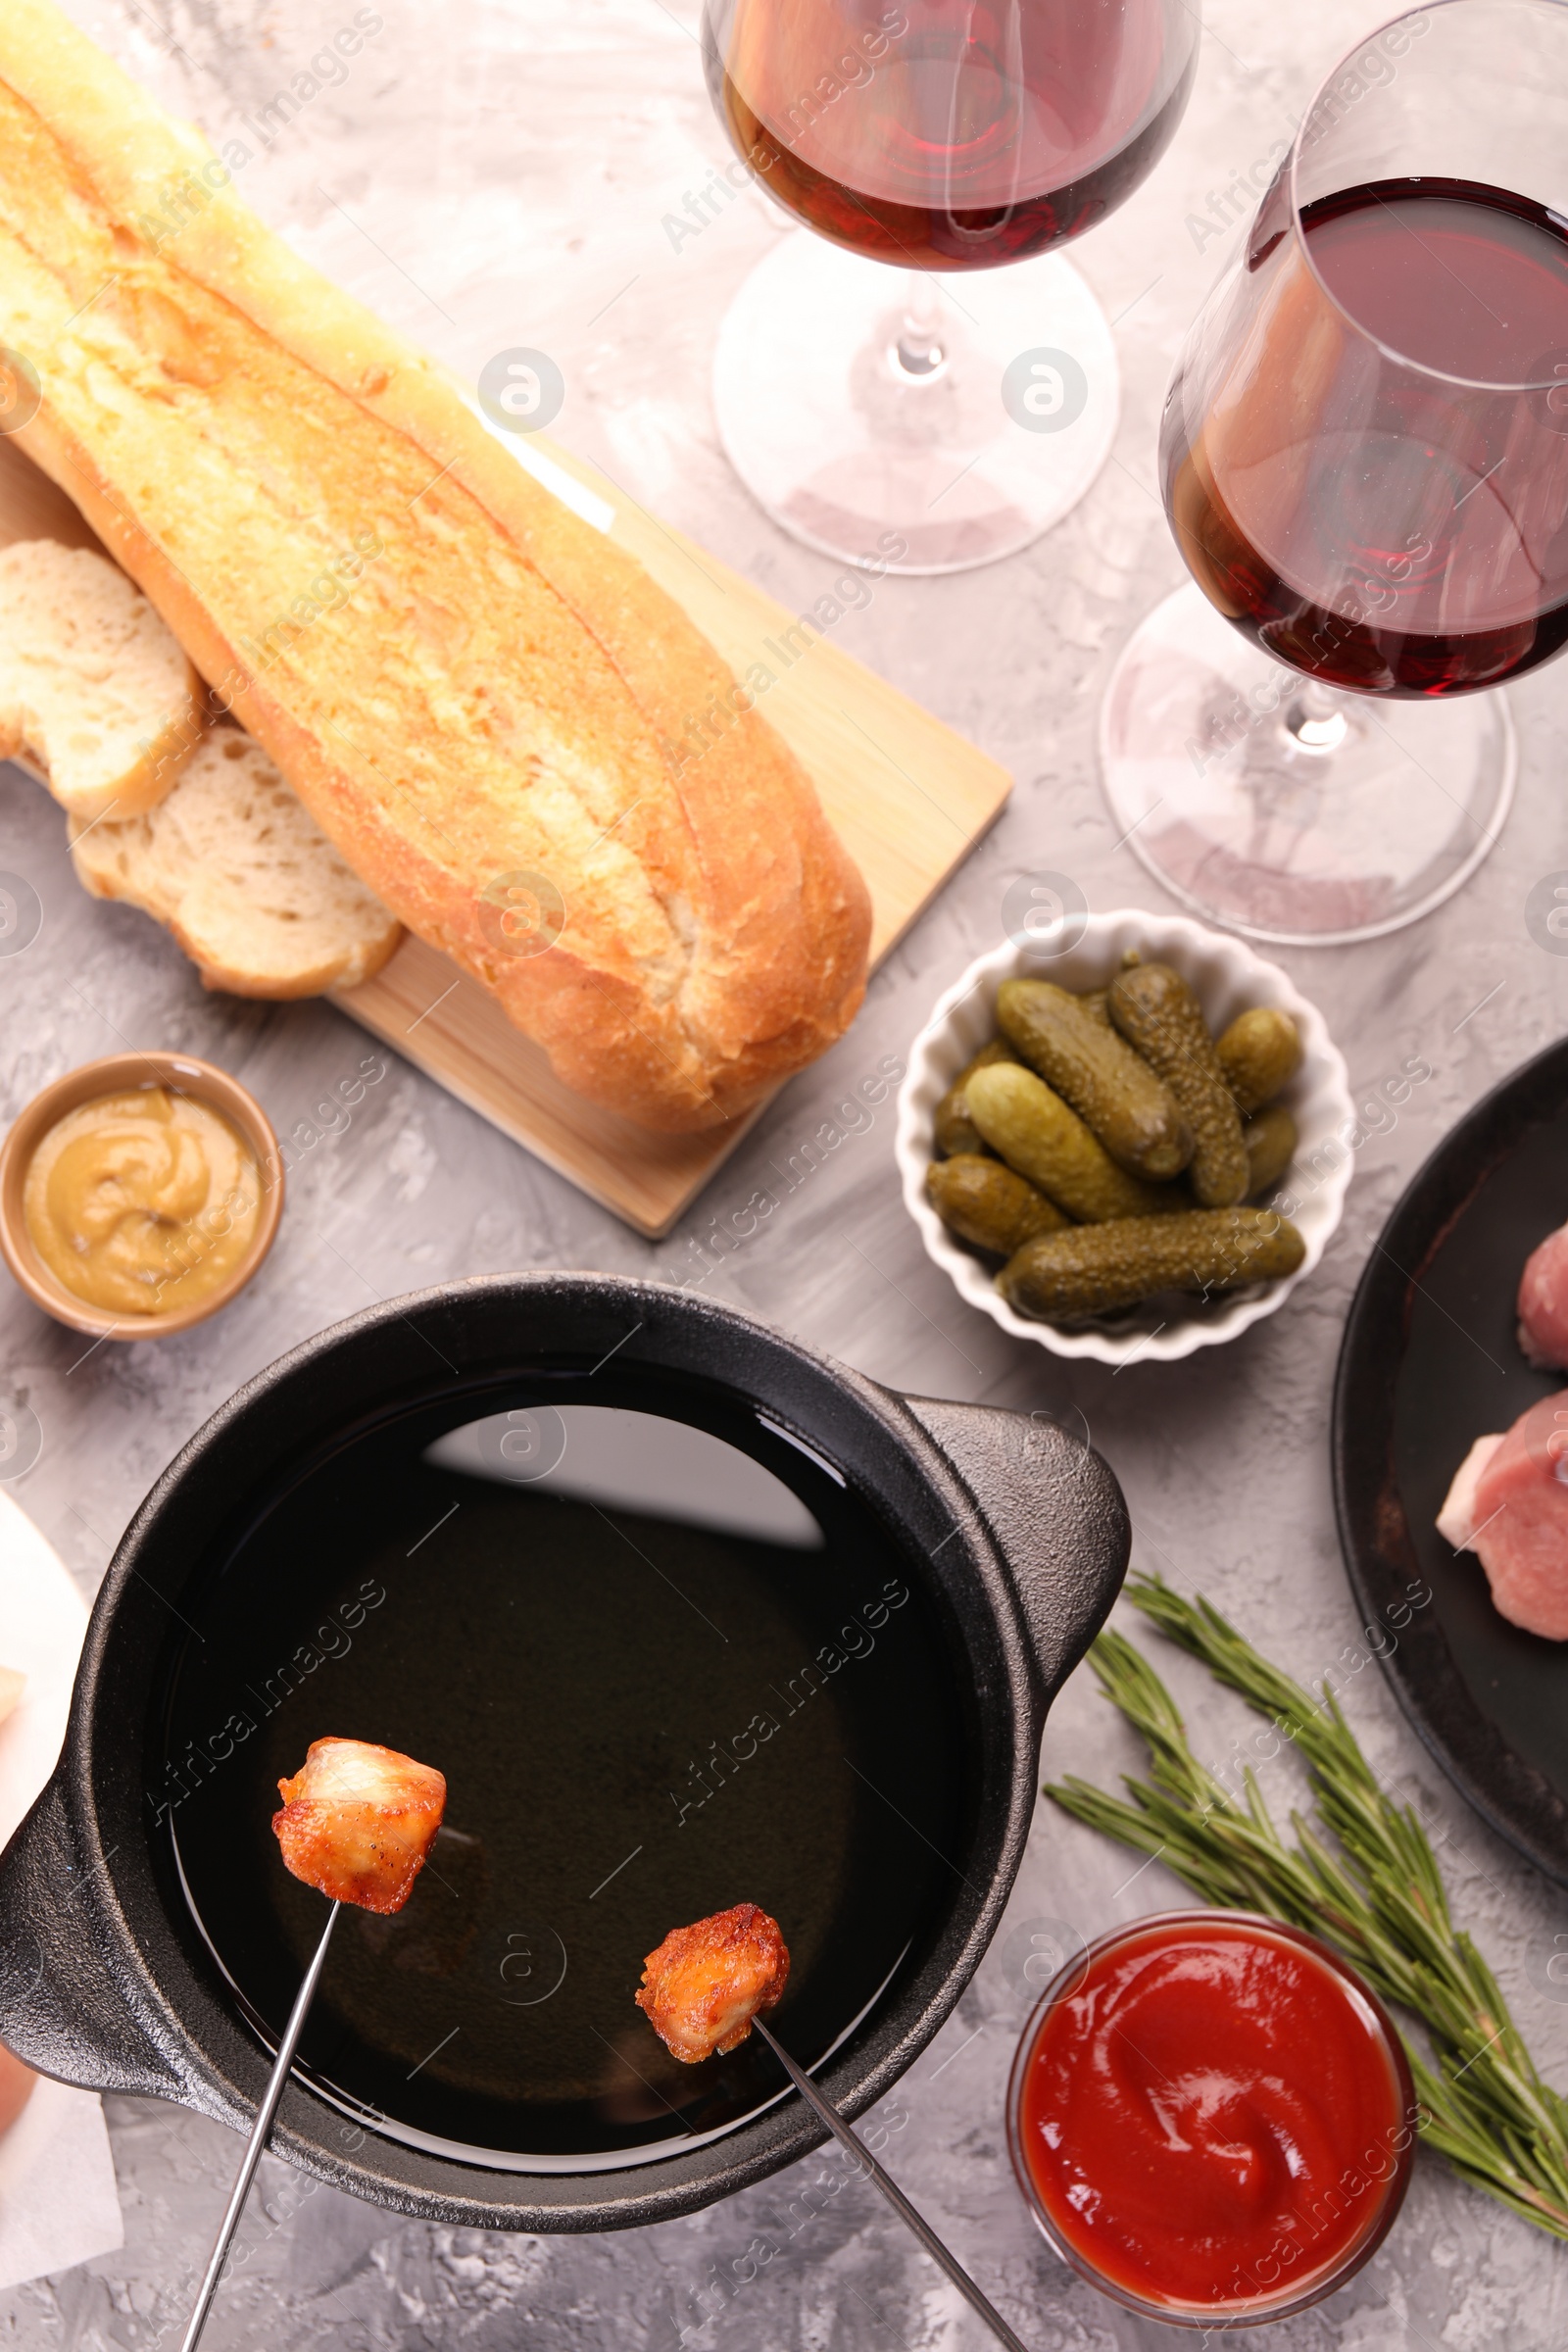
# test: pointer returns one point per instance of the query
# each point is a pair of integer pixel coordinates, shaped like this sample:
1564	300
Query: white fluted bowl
1227	977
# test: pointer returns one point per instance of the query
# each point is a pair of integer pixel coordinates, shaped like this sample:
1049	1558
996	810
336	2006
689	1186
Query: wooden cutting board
909	797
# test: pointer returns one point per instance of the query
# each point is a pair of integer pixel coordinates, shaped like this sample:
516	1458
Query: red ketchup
1215	2114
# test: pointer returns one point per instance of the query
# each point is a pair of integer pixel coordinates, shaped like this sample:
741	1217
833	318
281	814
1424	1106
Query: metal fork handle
260	2131
895	2195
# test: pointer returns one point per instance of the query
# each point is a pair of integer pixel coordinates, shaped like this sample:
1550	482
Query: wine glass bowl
937	138
946	137
1364	455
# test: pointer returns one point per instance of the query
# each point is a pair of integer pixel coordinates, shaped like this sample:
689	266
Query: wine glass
890	420
1365	461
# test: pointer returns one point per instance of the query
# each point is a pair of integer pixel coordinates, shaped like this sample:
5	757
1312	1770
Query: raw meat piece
1458	1518
1508	1505
1544	1303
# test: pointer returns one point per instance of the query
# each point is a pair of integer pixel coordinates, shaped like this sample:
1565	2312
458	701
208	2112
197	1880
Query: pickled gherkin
1095	1070
1257	1053
1036	1133
1155	1010
1270	1141
987	1203
953	1129
1095	1269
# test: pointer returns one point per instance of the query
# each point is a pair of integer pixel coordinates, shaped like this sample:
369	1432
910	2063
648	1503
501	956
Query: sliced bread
94	691
237	869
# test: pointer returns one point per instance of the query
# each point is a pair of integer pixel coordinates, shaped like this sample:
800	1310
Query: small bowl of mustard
138	1195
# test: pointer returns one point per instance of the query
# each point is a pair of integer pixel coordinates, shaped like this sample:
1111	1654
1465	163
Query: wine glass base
846	453
1304	844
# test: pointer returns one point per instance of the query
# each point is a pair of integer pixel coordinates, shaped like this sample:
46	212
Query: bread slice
94	691
482	701
234	866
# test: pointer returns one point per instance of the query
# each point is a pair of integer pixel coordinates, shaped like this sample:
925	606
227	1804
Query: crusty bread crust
490	689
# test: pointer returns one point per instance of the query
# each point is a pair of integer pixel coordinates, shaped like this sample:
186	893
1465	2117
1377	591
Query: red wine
949	134
1365	493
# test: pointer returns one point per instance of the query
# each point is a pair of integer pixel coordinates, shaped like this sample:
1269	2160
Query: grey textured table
496	173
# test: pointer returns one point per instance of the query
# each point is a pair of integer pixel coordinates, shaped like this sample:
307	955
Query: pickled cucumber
1157	1011
1094	1068
1036	1135
1270	1141
987	1203
1094	1269
1096	1004
1257	1052
953	1129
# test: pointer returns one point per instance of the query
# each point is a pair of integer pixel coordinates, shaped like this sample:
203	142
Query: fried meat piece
359	1820
705	1983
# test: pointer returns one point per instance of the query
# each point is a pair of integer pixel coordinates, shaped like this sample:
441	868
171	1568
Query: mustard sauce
142	1202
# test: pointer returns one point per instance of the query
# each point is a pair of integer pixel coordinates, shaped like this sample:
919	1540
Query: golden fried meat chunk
705	1983
359	1820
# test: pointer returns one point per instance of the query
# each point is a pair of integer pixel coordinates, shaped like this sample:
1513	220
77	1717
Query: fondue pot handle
1055	1512
61	2009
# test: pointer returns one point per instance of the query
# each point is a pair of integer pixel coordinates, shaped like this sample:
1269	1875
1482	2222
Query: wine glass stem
919	352
1314	718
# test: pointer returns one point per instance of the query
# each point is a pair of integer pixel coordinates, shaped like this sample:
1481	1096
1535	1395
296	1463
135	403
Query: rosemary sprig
1371	1888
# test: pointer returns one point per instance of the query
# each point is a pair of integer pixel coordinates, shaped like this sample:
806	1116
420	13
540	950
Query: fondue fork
356	1823
850	2139
260	2131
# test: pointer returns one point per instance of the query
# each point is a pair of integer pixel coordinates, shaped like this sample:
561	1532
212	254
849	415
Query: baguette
234	866
475	694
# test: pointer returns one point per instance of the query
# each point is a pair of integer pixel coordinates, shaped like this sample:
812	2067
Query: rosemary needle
1364	1878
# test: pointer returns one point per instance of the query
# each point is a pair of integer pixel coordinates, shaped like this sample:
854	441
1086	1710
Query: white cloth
59	2204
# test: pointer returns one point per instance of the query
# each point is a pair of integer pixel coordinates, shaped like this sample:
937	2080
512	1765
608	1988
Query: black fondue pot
687	1615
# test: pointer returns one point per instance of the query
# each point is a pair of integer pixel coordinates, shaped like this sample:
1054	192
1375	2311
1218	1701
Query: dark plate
1430	1361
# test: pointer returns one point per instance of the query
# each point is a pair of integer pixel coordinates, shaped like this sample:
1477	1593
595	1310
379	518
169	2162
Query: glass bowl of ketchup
1212	2117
